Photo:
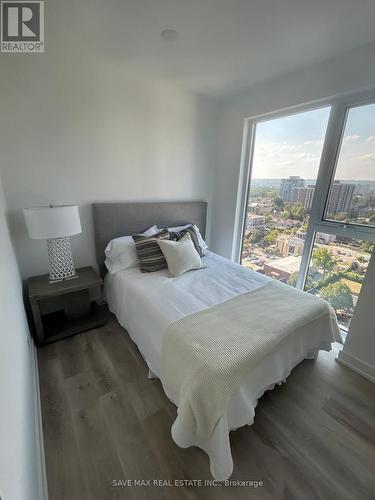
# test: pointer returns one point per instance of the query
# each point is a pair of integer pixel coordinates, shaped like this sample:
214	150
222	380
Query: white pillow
121	253
181	256
201	241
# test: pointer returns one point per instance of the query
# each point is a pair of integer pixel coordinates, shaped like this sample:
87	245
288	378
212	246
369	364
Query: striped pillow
177	235
150	256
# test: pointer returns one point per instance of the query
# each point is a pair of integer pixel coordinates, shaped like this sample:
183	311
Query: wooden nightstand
78	313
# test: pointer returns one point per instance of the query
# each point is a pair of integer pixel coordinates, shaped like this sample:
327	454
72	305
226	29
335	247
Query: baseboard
42	475
357	365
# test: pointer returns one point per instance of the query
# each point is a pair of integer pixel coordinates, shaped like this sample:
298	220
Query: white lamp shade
45	223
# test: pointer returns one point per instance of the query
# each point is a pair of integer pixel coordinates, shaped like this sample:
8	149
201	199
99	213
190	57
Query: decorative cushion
121	254
150	256
177	235
181	256
201	241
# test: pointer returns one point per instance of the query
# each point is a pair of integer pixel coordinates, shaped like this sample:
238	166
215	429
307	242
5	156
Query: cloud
369	157
287	147
306	156
371	139
351	138
276	146
314	143
286	154
286	163
273	150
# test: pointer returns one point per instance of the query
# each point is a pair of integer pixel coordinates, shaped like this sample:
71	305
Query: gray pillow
177	235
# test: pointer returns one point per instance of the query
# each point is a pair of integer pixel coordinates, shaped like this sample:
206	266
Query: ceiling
224	45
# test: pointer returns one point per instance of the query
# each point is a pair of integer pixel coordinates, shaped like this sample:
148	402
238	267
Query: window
336	272
285	167
352	193
308	201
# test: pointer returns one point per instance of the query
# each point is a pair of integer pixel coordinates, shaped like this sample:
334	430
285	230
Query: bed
146	304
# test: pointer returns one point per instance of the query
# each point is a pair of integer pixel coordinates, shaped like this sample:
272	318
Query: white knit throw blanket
207	355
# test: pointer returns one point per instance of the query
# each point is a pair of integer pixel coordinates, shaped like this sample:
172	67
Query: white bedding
146	303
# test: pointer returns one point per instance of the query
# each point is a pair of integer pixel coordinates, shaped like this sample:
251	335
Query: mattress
146	303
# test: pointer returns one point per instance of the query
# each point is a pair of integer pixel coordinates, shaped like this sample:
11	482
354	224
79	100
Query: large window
285	167
308	207
352	193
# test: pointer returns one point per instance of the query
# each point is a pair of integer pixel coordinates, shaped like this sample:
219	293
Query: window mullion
331	147
243	188
346	230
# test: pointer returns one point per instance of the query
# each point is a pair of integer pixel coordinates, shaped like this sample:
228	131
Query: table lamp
55	224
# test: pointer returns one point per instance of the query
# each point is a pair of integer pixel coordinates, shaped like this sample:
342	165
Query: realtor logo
22	26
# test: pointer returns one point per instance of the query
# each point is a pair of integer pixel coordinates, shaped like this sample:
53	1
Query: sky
293	145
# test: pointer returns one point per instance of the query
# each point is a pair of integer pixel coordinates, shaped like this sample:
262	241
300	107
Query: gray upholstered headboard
112	220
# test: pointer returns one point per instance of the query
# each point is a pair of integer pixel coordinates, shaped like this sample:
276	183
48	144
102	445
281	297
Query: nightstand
77	314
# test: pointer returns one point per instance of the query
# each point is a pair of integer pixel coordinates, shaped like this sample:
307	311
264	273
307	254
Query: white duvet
146	303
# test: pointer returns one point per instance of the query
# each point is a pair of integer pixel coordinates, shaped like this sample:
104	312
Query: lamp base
61	265
63	279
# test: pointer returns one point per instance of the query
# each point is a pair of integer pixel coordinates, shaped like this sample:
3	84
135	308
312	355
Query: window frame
348	107
340	106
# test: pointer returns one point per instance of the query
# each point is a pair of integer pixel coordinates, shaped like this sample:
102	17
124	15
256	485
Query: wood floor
313	437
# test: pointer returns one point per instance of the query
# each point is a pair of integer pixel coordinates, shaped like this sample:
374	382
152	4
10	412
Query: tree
324	258
294	211
278	203
256	236
366	246
262	192
355	266
271	237
338	295
292	281
353	213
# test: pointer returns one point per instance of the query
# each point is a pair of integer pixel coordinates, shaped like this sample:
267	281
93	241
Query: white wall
79	130
19	453
359	348
351	71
